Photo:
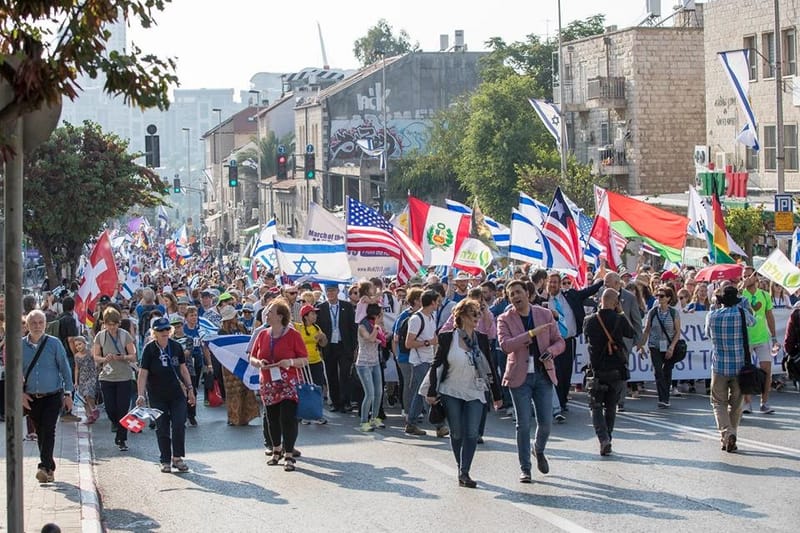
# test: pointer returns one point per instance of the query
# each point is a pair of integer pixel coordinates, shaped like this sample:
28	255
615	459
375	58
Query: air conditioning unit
722	159
701	157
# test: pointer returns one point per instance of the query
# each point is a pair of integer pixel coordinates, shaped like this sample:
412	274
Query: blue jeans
370	377
536	387
171	440
464	418
502	358
418	374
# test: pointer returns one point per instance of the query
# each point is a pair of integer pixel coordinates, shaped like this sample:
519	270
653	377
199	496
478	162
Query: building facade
635	105
750	24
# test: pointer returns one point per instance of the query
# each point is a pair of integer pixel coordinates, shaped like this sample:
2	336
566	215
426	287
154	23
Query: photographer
605	331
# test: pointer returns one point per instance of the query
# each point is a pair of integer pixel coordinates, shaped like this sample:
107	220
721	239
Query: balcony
611	161
574	96
605	92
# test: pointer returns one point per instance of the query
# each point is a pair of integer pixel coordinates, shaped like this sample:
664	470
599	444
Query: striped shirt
724	327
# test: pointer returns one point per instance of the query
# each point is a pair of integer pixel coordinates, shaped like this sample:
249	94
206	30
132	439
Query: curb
90	500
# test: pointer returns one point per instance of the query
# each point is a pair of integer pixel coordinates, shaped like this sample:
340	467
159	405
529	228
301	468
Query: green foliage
541	178
78	179
267	148
534	57
745	224
501	134
380	42
46	45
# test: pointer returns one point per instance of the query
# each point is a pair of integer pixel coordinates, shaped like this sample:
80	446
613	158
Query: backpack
53	328
144	319
402	332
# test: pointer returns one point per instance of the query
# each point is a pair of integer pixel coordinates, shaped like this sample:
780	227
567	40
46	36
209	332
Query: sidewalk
71	501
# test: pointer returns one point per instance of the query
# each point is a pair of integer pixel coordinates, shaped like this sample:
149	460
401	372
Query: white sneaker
747	409
676	392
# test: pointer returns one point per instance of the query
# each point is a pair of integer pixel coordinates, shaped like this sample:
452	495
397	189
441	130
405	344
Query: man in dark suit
337	319
566	304
631	311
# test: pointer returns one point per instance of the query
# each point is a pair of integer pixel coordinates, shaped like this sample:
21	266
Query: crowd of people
460	346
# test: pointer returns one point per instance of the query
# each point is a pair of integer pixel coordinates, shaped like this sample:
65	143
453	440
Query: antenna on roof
325	64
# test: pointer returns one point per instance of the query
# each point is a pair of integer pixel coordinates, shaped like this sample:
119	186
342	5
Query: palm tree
267	148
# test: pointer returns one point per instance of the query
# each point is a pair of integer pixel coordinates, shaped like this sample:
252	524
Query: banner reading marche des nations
697	364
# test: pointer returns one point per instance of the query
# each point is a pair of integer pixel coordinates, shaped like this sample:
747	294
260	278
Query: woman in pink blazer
529	335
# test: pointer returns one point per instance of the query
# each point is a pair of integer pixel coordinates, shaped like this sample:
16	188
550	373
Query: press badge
662	346
275	374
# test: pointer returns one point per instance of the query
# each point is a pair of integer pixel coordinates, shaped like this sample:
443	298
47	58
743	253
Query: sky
221	44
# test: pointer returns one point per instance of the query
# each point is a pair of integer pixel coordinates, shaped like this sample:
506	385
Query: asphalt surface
667	473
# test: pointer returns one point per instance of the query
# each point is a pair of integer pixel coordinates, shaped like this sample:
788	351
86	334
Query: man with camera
605	332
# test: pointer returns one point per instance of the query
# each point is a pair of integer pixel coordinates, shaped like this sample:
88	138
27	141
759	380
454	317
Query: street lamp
188	165
258	149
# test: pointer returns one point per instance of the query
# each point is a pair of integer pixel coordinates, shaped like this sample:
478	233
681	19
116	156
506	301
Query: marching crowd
453	350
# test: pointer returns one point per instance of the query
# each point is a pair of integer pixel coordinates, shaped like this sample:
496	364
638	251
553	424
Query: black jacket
619	327
440	359
575	300
347	326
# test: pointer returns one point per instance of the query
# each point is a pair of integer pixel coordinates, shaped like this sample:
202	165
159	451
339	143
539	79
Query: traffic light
280	166
176	185
233	174
309	166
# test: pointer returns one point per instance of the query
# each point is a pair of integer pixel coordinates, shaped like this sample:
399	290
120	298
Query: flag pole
562	114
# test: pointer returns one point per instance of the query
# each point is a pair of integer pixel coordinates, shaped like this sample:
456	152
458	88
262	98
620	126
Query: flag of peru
438	231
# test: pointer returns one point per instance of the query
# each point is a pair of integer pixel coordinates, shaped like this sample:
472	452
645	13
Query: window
751	160
790	146
768	49
789	52
604	136
770	148
752	57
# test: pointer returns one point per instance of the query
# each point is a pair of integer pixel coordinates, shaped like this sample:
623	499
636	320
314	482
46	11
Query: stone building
750	24
635	104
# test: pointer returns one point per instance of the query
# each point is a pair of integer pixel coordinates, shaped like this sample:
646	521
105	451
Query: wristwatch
427	343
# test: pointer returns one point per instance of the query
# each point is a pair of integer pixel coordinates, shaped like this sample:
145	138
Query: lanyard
167	353
335	316
273	341
116	345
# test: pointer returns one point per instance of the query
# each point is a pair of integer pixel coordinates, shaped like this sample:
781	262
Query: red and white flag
562	241
99	278
438	231
602	235
132	423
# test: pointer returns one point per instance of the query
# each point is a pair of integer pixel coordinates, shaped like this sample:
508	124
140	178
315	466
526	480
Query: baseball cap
176	319
305	310
105	299
229	313
225	296
161	324
183	300
248	307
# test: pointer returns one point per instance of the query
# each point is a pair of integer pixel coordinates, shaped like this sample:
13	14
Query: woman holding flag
240	401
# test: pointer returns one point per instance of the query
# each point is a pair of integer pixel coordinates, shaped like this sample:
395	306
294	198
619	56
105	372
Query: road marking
705	433
90	503
543	514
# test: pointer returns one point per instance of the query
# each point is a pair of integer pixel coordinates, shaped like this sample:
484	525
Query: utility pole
780	163
562	113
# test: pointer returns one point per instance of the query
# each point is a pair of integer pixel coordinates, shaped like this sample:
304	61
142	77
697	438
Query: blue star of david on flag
312	266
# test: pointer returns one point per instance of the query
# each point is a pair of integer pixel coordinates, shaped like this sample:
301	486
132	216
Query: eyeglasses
566	283
661	295
292	293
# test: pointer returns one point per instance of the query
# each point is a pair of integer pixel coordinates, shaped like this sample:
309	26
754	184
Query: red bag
214	395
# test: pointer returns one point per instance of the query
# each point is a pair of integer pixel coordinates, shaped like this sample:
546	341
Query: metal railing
605	87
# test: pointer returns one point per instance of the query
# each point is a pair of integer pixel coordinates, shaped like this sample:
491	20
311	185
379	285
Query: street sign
784	222
783	202
309	148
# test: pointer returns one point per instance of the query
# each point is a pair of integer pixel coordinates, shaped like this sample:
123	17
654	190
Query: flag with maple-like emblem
99	278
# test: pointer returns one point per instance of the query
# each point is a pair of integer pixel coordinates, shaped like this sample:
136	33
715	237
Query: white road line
705	433
90	503
543	514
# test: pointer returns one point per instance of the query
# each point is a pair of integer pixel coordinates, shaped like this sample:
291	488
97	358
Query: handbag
751	378
215	395
612	349
309	396
679	352
437	414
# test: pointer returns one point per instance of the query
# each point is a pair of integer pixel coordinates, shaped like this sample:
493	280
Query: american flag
368	231
562	238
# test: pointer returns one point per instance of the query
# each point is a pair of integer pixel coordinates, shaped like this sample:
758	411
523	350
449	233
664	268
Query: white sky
223	43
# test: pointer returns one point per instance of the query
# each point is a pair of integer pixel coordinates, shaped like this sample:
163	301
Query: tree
745	224
46	45
74	182
380	42
267	148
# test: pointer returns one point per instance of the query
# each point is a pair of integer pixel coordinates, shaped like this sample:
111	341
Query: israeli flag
312	260
527	242
231	352
500	233
794	253
532	209
163	218
264	249
737	67
550	116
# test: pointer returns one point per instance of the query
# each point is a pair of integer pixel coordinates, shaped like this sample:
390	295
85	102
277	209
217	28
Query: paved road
667	474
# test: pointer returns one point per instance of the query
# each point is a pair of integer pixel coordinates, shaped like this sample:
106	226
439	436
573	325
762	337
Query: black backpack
403	331
144	319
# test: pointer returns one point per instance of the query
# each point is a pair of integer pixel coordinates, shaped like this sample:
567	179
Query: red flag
99	278
132	423
602	236
439	232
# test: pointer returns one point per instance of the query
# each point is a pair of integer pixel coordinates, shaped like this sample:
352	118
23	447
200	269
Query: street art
401	137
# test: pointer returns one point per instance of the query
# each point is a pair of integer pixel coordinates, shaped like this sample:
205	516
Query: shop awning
250	230
212	218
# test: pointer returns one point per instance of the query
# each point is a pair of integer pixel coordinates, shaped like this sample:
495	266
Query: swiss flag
132	423
99	278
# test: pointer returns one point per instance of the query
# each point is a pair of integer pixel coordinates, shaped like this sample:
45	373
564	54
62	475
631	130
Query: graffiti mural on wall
402	136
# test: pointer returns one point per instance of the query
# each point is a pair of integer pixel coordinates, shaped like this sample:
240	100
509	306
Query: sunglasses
566	283
661	295
292	293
